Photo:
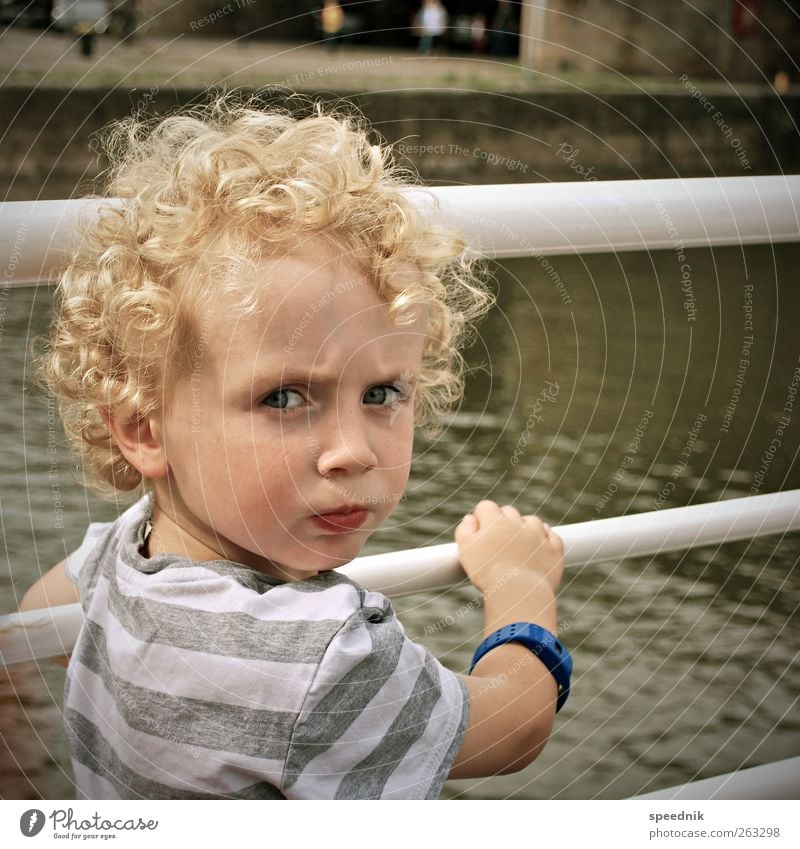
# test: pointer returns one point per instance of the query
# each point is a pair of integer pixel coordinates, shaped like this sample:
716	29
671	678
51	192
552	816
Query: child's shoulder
101	543
113	550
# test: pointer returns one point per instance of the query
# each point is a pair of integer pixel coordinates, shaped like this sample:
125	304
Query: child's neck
167	536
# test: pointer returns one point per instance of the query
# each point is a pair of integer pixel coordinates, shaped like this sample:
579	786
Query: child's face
291	441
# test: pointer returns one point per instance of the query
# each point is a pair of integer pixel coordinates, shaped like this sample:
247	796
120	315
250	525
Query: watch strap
545	645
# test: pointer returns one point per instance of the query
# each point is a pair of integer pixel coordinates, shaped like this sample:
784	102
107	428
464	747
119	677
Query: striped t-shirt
208	679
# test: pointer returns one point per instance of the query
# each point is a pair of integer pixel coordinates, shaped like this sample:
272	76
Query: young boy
250	337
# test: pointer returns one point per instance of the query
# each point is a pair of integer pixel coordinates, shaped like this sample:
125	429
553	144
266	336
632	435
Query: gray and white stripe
198	680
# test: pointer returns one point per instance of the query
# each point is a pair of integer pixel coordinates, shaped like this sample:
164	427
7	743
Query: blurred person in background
478	31
332	18
430	23
127	19
503	29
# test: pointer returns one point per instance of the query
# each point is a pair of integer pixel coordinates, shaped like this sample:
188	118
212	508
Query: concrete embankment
50	143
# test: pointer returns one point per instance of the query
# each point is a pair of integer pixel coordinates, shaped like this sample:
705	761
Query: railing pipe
779	780
640	534
545	219
53	631
517	220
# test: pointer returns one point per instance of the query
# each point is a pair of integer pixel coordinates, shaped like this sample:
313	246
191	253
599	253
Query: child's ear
140	439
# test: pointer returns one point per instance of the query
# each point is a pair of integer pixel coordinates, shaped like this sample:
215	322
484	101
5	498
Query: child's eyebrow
383	375
271	378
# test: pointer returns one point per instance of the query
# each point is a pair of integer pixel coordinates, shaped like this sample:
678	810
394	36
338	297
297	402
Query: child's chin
330	568
330	563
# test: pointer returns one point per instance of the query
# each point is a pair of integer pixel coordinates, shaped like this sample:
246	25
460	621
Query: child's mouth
341	520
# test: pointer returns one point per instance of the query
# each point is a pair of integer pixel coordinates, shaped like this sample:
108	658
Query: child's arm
52	589
517	563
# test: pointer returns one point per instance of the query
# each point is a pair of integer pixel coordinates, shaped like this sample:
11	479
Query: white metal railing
778	780
501	222
533	219
52	632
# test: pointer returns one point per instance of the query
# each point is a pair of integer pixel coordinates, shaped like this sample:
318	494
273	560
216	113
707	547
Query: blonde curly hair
216	189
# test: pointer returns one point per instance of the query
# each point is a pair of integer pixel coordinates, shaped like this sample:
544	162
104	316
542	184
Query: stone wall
650	37
454	138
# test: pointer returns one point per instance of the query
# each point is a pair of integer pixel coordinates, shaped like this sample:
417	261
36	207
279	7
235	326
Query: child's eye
283	399
383	395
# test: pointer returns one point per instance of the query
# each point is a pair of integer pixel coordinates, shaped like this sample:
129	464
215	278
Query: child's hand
498	544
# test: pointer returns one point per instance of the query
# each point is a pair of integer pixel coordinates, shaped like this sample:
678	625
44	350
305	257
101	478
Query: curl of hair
213	190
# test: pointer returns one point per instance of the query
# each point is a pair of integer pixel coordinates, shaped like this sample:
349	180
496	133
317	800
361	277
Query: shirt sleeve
86	551
382	719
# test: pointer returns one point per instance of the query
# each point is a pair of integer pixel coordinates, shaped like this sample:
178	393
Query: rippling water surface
600	387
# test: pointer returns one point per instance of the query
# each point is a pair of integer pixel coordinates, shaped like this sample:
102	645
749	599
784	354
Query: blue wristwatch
542	643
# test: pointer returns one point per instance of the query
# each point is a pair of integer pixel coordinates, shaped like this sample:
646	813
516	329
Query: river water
600	386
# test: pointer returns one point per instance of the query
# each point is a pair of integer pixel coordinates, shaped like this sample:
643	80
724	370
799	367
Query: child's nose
346	447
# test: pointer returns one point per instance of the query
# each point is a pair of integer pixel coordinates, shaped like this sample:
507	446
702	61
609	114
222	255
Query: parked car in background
79	16
25	13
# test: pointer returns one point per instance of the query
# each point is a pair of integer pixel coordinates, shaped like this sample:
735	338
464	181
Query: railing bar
778	780
51	632
505	221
